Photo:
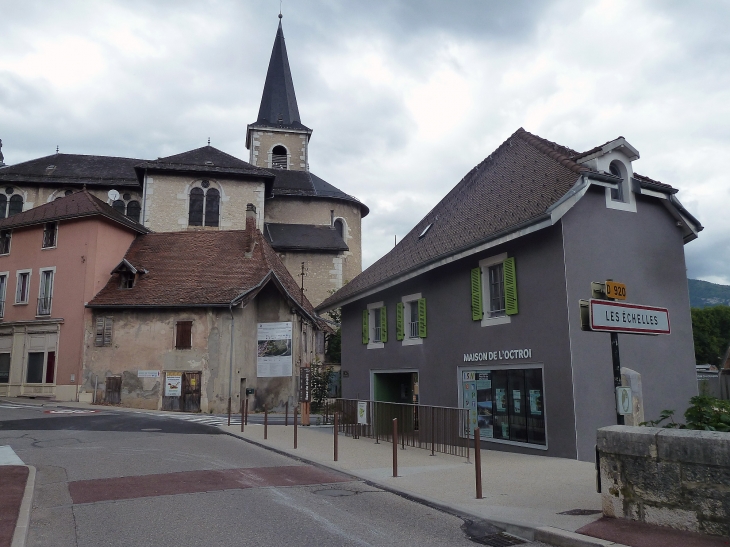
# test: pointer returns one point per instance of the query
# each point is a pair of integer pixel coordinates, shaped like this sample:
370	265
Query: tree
711	333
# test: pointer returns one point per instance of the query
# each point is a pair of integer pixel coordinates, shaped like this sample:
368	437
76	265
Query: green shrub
706	413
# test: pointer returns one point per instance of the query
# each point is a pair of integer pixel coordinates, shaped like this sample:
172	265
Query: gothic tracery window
204	208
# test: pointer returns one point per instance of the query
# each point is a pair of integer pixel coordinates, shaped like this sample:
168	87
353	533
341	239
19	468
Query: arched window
279	157
3	206
205	206
119	206
133	210
340	227
618	193
16	205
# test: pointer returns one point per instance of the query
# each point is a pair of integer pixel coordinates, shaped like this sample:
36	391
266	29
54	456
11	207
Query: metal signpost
603	314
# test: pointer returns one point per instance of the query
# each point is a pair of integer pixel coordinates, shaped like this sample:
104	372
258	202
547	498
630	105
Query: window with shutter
399	330
183	335
108	322
383	325
422	318
365	327
494	290
510	287
99	338
477	306
414	317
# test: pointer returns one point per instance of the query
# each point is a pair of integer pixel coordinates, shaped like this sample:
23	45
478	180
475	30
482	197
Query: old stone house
189	320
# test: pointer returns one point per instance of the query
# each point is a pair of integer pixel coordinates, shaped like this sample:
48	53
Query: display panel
505	404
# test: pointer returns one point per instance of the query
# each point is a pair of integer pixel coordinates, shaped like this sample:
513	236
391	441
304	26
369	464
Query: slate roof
304	183
279	102
77	205
514	186
304	237
74	170
206	159
199	269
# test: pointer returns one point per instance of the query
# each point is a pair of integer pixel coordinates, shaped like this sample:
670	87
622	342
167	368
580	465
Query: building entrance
396	387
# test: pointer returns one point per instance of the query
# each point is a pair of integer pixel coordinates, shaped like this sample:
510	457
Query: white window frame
4	292
487	319
371	325
40	286
629	203
55	240
17	286
406	300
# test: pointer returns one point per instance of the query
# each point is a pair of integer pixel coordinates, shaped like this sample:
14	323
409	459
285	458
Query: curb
529	532
23	523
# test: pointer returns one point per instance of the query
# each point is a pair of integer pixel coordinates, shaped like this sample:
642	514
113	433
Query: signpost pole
295	427
478	462
266	423
395	447
286	414
336	434
616	371
243	412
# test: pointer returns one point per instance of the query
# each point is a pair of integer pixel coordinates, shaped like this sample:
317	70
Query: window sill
20	304
48	248
499	320
412	341
376	345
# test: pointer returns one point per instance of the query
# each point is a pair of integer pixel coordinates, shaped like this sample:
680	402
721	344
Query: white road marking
9	457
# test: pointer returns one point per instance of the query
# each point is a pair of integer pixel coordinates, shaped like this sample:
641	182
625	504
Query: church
308	221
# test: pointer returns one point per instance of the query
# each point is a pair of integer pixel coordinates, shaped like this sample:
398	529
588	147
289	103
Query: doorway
395	387
191	391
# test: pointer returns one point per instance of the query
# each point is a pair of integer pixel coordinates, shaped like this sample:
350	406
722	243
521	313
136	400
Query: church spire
279	103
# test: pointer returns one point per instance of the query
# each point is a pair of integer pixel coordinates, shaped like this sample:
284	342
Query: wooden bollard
478	462
266	422
336	434
395	447
295	427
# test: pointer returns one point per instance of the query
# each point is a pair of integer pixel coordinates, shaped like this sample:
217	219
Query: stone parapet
670	477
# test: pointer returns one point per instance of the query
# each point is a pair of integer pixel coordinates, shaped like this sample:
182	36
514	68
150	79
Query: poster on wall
477	397
173	384
274	350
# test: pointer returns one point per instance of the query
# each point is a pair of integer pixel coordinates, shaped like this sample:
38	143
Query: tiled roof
77	205
206	159
514	186
201	268
304	183
73	170
304	237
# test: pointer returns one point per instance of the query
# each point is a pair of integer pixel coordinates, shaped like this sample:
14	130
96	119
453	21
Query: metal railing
414	329
435	428
376	334
44	306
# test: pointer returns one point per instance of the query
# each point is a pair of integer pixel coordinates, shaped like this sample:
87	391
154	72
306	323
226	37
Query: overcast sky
404	96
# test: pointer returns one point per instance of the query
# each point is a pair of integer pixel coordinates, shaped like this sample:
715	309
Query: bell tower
278	140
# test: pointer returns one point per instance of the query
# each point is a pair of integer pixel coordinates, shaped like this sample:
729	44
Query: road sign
624	401
615	290
628	318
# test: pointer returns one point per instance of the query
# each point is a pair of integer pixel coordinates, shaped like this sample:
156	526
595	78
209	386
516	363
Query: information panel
274	350
173	384
628	318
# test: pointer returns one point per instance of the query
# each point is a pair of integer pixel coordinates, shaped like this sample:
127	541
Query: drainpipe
144	197
230	371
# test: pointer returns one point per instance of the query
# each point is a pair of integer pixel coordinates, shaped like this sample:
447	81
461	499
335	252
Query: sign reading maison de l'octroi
629	318
500	355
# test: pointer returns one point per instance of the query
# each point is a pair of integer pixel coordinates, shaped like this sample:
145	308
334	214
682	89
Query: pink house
53	260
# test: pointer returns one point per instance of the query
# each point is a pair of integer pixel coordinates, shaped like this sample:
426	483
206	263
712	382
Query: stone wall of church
168	202
262	142
323	272
35	195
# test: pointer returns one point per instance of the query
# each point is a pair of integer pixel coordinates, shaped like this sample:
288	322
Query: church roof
206	159
304	237
74	170
278	102
77	205
306	184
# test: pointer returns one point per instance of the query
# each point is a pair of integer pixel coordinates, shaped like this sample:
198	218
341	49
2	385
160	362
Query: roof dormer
615	158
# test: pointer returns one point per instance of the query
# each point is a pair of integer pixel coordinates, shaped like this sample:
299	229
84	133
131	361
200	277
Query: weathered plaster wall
168	201
669	477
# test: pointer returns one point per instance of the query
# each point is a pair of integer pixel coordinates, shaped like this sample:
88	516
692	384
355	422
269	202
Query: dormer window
127	274
126	280
617	194
50	235
279	157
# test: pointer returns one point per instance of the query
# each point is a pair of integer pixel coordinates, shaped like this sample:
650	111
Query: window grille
413	322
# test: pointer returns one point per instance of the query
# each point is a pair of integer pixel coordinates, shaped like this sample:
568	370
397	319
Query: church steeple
279	102
278	139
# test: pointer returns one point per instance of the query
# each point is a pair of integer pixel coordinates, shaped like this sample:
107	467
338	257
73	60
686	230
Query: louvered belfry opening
279	157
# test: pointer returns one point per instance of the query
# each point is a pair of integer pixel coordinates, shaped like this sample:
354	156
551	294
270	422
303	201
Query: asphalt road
114	478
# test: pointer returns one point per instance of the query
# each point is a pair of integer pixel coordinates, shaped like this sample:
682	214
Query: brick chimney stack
250	227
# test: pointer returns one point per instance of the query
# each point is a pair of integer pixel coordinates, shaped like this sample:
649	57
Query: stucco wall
541	326
645	251
167	202
37	195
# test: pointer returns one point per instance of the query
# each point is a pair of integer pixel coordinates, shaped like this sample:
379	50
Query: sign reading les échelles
628	318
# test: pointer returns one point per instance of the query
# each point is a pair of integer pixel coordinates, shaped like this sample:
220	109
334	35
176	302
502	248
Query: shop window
50	234
411	319
375	325
279	156
494	290
103	334
5	241
4	368
505	404
41	367
23	287
183	335
204	207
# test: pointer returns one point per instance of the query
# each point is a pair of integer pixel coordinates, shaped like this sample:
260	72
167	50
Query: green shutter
477	307
383	325
510	287
422	318
365	327
399	332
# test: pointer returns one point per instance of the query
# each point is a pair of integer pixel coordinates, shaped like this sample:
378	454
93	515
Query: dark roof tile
304	237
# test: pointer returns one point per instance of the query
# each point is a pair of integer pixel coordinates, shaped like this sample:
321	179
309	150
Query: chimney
250	227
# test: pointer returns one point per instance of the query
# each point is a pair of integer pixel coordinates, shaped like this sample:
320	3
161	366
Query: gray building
478	306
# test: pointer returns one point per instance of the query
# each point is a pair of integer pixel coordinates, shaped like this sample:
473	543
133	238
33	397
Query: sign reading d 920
628	318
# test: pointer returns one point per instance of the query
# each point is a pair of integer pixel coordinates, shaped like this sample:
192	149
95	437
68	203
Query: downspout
230	371
144	198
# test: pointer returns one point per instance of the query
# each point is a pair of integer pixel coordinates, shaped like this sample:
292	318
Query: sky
404	97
